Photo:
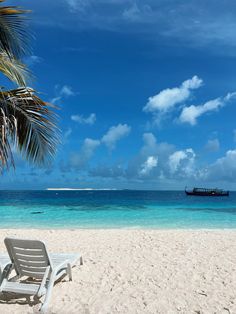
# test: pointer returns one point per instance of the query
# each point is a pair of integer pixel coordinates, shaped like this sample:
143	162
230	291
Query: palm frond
5	149
6	158
14	69
13	34
30	123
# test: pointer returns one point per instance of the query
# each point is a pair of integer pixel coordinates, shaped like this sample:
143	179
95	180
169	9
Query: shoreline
139	271
187	229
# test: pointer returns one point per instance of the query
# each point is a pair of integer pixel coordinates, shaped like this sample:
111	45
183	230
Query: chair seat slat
33	274
33	263
21	288
33	268
29	252
32	244
30	258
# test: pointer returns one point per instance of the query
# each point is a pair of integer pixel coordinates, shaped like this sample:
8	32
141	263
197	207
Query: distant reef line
79	189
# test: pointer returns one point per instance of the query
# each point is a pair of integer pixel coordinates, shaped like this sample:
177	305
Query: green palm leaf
29	123
13	34
25	120
14	69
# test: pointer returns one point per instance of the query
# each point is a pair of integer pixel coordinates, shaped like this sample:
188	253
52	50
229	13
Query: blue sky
147	91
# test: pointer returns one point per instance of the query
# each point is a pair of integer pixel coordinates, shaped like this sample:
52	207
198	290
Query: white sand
140	271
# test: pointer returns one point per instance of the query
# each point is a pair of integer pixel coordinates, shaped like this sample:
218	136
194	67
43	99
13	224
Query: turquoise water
115	209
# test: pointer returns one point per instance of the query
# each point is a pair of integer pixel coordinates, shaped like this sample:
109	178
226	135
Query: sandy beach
139	271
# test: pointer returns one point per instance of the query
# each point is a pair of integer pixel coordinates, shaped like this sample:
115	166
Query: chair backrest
29	257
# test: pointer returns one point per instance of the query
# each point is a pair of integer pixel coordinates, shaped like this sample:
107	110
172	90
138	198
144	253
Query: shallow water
115	209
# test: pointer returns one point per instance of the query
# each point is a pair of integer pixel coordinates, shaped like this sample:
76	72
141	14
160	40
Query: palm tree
26	121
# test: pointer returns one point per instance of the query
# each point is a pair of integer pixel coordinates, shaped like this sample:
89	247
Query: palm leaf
29	122
14	69
5	150
6	158
13	34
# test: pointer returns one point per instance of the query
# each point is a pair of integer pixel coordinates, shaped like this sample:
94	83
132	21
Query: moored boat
207	192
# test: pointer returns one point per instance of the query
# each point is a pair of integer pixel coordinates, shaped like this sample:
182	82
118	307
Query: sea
104	209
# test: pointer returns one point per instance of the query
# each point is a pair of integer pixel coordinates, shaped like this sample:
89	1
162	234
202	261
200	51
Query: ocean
115	209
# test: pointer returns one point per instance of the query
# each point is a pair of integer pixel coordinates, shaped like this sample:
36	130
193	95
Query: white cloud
114	134
79	160
148	165
223	169
55	100
192	113
153	162
182	160
150	144
168	98
64	91
213	145
82	120
151	147
89	146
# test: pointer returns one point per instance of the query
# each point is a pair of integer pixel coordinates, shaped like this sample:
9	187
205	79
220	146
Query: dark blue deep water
115	209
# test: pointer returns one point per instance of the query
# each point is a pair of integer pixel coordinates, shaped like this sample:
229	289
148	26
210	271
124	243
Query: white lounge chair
29	258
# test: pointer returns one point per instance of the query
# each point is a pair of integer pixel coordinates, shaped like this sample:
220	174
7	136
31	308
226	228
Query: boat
207	192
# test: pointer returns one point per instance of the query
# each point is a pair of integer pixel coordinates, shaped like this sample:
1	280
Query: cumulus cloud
149	144
67	91
192	113
114	134
64	91
182	161
148	165
150	148
168	98
82	120
79	160
213	145
223	169
154	161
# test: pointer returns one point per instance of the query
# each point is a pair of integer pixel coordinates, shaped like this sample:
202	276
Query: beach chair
30	259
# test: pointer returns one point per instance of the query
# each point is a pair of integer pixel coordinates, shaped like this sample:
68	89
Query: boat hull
207	193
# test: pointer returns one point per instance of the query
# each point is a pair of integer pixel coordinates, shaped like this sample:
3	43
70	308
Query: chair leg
69	271
44	306
28	299
4	274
